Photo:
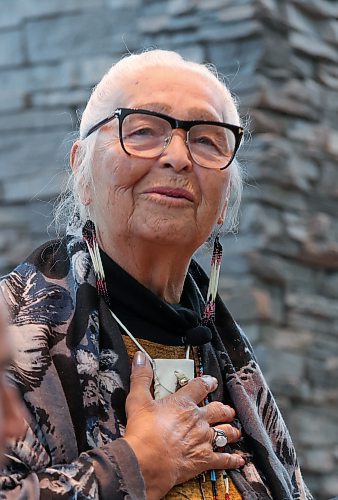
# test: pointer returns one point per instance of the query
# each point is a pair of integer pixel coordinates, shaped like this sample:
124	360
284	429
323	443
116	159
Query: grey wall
280	273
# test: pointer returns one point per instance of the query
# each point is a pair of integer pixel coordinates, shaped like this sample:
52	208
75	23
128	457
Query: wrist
157	481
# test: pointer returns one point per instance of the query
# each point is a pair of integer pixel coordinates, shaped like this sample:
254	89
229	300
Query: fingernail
211	381
240	462
139	359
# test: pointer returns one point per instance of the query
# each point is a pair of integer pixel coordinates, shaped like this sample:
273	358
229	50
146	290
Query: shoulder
49	259
37	285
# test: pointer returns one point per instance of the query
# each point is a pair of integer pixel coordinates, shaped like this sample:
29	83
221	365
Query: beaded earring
209	310
89	236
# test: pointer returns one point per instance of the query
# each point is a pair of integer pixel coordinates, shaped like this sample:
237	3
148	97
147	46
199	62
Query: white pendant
171	374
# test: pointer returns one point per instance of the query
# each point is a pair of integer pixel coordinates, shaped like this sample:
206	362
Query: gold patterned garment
191	489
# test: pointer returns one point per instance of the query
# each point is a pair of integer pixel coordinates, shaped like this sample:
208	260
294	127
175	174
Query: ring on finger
220	439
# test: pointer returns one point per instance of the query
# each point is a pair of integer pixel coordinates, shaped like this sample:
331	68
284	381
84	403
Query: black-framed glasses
147	134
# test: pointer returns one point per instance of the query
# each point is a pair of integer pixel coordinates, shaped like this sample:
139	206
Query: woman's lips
170	192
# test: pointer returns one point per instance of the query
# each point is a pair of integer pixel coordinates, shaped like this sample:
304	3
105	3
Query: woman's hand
172	437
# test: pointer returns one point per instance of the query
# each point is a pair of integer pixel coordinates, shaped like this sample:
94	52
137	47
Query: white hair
103	102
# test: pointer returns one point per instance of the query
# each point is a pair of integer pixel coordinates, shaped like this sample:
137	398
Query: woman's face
130	197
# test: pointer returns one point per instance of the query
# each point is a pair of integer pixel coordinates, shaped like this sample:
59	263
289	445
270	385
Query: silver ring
220	439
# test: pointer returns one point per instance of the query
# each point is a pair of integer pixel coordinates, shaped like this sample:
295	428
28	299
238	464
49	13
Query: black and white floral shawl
72	388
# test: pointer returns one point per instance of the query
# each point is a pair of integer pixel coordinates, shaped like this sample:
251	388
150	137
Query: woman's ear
73	155
84	192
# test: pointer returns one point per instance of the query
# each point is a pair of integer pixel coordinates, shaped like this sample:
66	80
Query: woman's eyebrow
196	113
160	107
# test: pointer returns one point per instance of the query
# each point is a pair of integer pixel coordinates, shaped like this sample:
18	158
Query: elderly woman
154	175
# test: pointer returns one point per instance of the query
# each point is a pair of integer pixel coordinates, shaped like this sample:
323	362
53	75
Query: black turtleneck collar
149	317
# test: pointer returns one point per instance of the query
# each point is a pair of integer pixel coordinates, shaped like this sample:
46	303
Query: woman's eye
205	141
144	131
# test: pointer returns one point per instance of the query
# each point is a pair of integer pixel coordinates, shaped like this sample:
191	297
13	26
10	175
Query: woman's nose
177	155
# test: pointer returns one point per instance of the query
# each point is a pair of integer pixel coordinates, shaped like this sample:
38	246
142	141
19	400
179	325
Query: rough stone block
298	20
332	143
312	135
126	4
266	269
322	373
319	460
303	67
329	286
287	340
289	100
253	304
23	81
330	487
43	184
235	31
34	8
277	196
213	4
330	33
10	101
328	182
313	305
328	74
11	53
240	56
295	227
318	8
161	21
89	70
26	154
194	53
66	97
261	220
236	13
298	320
263	122
180	7
278	365
70	36
36	119
307	421
314	48
12	14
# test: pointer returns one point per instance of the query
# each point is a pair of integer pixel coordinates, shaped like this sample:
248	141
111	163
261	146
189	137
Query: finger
226	461
233	435
197	389
140	383
216	412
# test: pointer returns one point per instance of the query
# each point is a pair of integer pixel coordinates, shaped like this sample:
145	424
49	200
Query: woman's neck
160	268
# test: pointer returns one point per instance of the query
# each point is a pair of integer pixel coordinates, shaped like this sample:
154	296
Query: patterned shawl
74	390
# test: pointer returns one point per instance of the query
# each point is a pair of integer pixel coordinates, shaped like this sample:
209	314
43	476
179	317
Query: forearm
110	472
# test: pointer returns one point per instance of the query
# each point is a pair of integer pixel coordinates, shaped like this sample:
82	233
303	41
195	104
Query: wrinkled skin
174	434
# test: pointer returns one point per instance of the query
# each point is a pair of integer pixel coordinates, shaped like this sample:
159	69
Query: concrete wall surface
280	272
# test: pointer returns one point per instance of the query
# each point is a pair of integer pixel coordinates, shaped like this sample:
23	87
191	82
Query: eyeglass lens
210	146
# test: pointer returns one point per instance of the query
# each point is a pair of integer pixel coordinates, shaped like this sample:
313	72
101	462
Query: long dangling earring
209	310
89	236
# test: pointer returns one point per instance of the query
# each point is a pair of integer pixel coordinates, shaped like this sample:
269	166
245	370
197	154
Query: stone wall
280	272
